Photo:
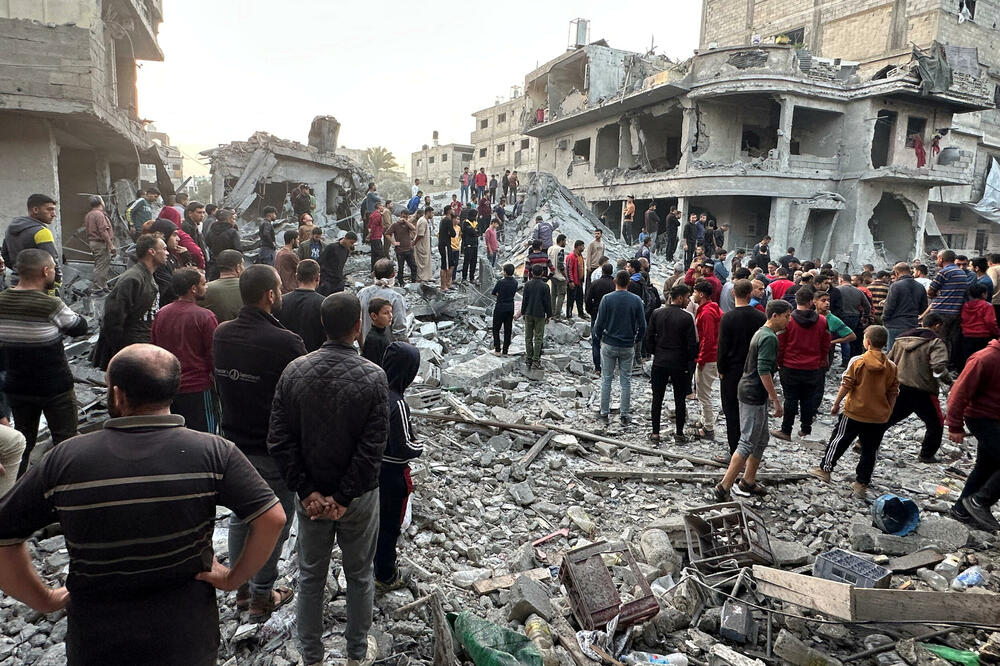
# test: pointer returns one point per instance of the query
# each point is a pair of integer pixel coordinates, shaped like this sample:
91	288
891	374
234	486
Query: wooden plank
535	449
657	475
825	596
926	557
905	605
502	582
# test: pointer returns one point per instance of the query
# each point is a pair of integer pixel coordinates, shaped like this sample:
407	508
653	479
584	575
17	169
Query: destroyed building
764	138
264	169
69	118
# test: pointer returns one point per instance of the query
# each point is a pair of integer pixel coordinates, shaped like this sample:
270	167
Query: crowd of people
275	391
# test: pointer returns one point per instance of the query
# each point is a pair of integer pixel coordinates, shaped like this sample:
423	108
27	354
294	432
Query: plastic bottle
541	635
971	577
939	490
643	658
948	567
935	580
581	520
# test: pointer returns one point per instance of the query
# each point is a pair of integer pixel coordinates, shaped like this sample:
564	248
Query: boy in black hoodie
401	362
379	335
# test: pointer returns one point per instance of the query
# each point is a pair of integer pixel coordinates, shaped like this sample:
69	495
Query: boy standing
870	385
503	312
379	336
756	387
536	308
574	280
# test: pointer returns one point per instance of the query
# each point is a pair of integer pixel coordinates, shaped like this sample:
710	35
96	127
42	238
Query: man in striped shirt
947	294
136	502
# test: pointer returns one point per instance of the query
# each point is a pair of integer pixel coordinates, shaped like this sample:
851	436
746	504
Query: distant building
170	158
439	167
498	137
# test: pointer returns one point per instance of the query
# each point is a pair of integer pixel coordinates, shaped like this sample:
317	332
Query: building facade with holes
439	166
498	140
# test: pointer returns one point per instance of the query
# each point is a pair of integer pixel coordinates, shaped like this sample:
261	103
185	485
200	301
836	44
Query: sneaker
681	438
981	514
959	513
626	420
927	459
781	434
371	654
604	418
747	489
721	494
804	433
398	581
859	490
819	473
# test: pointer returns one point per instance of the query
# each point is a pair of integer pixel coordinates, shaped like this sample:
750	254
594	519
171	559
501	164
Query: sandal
279	597
654	437
705	433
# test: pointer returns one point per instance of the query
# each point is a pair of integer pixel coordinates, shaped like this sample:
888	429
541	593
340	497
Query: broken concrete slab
529	597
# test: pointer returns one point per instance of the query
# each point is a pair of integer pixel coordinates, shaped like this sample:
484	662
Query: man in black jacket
329	425
331	264
222	235
598	289
906	301
300	309
250	353
267	241
673	340
672	225
690	233
736	329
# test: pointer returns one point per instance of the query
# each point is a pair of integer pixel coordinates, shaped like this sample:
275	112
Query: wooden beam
502	582
825	596
520	470
926	557
905	605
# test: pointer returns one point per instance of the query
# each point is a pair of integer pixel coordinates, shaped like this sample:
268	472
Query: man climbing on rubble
38	378
332	262
621	322
137	504
536	308
33	231
385	274
328	431
673	341
543	232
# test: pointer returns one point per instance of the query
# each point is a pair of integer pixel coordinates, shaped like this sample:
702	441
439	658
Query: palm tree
380	159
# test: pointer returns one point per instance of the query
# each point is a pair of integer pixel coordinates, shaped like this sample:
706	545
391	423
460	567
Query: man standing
332	262
38	381
385	274
102	244
401	234
707	321
222	235
904	304
328	430
312	248
185	330
132	304
690	234
621	321
194	215
705	271
33	232
672	225
596	291
250	354
415	188
536	308
947	294
574	280
628	218
140	211
652	225
514	184
673	341
761	254
505	183
137	503
286	260
789	258
803	352
300	309
375	234
494	183
481	181
422	245
413	204
465	179
472	228
267	240
857	308
371	200
595	250
543	232
557	281
736	329
222	296
180	202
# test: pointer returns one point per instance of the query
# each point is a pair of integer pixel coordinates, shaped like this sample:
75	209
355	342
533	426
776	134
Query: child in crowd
979	323
379	336
870	385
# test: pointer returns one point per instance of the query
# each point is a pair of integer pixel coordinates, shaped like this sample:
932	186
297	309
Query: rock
720	655
669	620
499	443
393	599
915	654
659	552
53	656
522	493
945	532
794	651
566	392
788	553
467	577
529	597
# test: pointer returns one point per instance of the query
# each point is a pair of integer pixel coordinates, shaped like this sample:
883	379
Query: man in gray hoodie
33	232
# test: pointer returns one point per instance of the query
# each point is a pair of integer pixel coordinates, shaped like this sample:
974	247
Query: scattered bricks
737	623
529	597
720	655
566	392
477	371
794	651
915	654
509	383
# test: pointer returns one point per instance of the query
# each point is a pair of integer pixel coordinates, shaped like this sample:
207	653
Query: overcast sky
391	72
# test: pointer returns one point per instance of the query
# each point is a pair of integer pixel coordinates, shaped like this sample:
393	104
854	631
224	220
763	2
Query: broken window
431	181
885	128
581	150
482	152
420	162
607	147
467	157
524	144
982	238
500	148
796	37
967	9
430	160
891	226
501	118
915	127
484	123
759	134
444	158
660	139
815	132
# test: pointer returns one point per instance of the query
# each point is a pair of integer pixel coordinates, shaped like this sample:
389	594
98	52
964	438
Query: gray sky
391	72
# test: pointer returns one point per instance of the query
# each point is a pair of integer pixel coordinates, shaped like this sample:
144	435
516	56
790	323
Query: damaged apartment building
263	171
838	160
69	120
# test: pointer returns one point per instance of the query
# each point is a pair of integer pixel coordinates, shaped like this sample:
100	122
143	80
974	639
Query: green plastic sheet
491	645
951	654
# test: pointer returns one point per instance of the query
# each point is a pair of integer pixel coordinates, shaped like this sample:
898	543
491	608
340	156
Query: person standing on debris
979	323
690	234
518	207
673	340
312	248
803	352
446	233
598	289
645	249
493	187
575	276
536	308
180	203
301	201
472	229
761	253
185	330
422	245
500	213
621	322
672	226
250	354
101	242
375	231
871	386
267	240
465	181
707	319
543	232
756	388
514	184
481	181
33	231
628	217
328	432
455	256
222	296
140	211
904	304
651	224
595	250
921	360
194	215
415	188
736	330
38	379
300	309
385	274
414	203
503	310
492	243
401	235
222	235
368	205
379	337
505	183
947	293
484	210
286	261
857	309
332	262
557	278
143	489
132	304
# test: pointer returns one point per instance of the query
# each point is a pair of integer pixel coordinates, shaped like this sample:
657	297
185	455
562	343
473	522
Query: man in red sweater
574	280
802	356
781	285
481	181
186	330
707	372
705	272
376	231
975	400
979	323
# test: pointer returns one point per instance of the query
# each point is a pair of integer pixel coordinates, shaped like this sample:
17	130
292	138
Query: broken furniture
725	536
593	595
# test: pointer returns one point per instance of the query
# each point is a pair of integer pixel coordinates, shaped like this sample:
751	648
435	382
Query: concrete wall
30	159
46	67
84	13
449	160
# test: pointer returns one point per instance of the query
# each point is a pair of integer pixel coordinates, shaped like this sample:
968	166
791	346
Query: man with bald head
137	503
906	301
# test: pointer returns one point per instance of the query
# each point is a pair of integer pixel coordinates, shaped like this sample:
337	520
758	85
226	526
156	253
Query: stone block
788	553
477	371
945	532
721	655
529	597
522	493
659	551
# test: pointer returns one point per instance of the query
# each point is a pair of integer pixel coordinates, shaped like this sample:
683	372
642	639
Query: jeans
60	414
356	532
574	295
984	481
265	256
534	336
453	257
844	433
612	356
404	259
704	379
753	430
102	262
893	334
967	347
848	350
505	320
805	388
671	247
463	193
492	257
927	408
394	487
262	581
558	289
480	191
11	450
729	383
470	260
679	380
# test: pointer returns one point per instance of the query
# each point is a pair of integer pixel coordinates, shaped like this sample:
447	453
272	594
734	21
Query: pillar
785	130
